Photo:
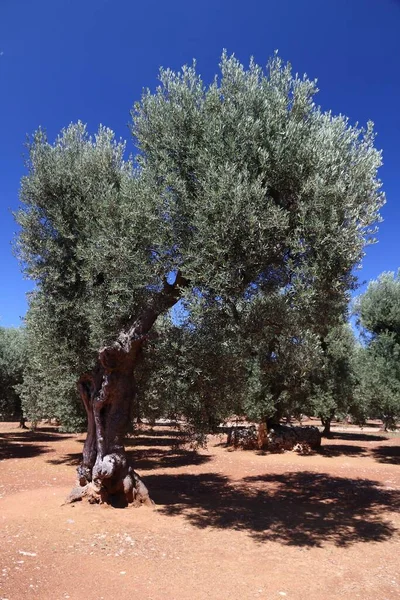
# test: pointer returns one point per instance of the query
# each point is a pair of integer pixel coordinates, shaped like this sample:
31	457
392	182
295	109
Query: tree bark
262	434
107	393
326	423
22	421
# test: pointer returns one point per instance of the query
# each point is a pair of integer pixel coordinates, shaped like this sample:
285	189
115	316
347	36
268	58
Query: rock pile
278	439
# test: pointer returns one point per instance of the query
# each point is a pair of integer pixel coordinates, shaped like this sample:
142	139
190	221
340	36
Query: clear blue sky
64	60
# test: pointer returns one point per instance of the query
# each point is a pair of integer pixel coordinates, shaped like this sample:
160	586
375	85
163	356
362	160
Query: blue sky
64	60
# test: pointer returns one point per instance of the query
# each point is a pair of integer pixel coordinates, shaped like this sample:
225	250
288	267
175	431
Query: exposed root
89	491
77	493
129	491
140	492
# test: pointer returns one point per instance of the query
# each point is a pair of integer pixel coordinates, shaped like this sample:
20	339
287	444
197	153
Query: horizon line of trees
343	376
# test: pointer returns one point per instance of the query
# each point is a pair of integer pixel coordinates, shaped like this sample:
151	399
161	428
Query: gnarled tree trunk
107	393
326	423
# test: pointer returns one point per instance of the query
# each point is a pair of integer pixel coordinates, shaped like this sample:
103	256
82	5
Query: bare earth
228	525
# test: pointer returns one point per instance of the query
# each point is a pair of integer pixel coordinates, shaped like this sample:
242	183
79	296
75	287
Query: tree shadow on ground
153	441
332	450
71	459
176	433
26	444
387	454
356	437
154	455
143	460
297	509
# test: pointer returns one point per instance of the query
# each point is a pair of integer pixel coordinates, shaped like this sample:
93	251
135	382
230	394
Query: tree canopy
243	200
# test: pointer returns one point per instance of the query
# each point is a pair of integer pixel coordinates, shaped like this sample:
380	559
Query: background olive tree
379	359
13	354
333	385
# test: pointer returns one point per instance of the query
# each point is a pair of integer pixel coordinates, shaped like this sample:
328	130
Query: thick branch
134	335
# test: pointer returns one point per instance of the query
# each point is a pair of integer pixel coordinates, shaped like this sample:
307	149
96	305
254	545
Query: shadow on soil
357	437
72	459
387	454
304	509
26	444
154	455
147	440
145	460
297	509
176	433
332	450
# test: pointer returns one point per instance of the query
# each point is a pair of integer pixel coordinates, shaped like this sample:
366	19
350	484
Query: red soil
228	525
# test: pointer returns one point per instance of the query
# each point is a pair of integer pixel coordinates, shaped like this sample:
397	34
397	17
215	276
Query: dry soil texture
229	525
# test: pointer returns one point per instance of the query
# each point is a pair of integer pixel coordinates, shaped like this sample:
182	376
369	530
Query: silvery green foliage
87	230
86	237
378	308
379	360
260	186
263	201
49	382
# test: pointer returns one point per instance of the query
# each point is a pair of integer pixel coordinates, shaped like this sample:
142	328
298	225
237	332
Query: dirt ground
229	525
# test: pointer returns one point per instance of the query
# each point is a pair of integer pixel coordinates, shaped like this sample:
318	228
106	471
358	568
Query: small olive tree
379	359
333	384
12	361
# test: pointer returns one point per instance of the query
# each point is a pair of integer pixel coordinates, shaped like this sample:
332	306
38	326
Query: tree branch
130	339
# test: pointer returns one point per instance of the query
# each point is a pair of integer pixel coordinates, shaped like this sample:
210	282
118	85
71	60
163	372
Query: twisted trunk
326	423
107	393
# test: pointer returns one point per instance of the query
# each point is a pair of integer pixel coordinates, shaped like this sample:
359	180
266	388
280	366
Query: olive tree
333	384
12	360
238	188
379	359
